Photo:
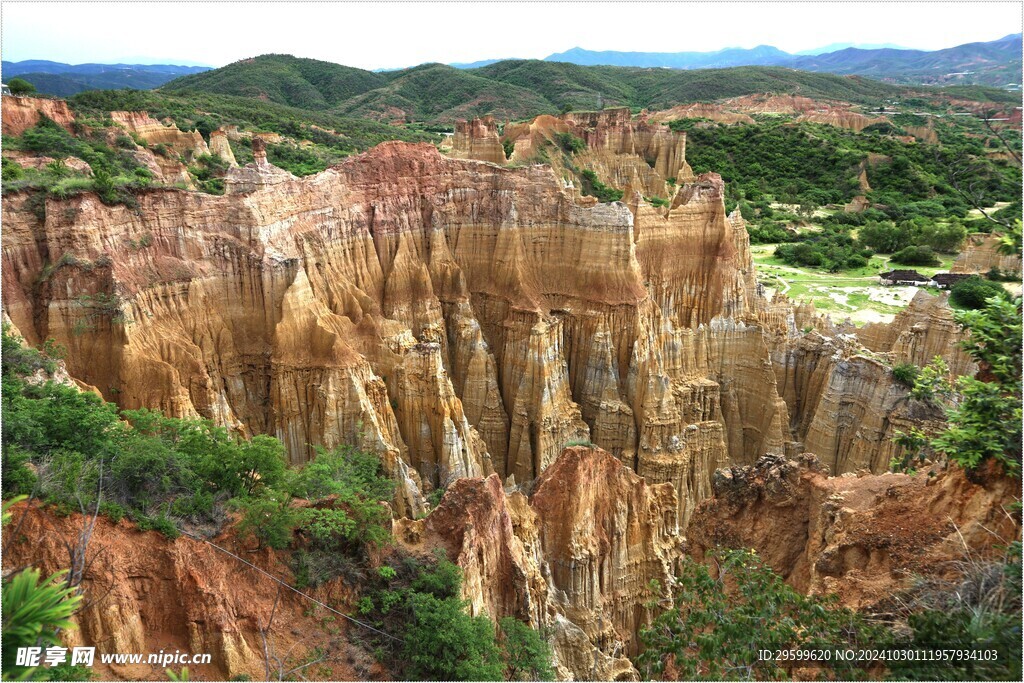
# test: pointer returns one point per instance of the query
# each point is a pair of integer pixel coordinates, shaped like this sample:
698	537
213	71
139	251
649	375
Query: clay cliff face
376	300
144	592
478	139
220	146
466	321
632	155
739	109
922	331
981	254
154	132
22	113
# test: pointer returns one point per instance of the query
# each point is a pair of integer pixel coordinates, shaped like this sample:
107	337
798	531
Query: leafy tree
883	236
19	86
984	412
943	237
916	256
718	623
270	518
527	656
443	642
973	292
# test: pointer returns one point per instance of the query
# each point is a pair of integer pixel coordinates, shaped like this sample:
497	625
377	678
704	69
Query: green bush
973	292
34	611
831	251
11	170
883	236
443	642
569	143
270	518
158	469
906	374
982	613
595	188
983	416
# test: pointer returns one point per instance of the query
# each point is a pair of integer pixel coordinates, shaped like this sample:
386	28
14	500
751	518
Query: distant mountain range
995	63
64	80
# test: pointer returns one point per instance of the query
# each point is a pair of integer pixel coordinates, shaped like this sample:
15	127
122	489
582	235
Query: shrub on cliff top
717	624
905	374
19	86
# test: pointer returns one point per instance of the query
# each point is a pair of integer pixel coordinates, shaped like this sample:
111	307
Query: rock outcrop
458	317
478	139
925	329
220	147
861	537
575	558
981	254
739	110
633	155
156	133
22	113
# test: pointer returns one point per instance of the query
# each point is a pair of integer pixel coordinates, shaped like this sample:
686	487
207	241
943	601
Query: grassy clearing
854	294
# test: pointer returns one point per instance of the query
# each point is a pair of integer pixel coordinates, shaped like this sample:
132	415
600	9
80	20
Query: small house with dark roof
904	277
947	280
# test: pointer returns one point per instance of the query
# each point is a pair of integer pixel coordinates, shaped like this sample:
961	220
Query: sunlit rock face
478	139
22	113
571	372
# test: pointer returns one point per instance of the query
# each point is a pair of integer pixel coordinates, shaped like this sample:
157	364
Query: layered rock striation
981	254
575	558
478	139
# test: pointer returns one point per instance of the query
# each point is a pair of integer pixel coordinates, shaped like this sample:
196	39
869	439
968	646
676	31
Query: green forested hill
436	92
283	79
653	88
513	89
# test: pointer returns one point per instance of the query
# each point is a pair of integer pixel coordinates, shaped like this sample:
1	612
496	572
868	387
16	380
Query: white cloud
386	35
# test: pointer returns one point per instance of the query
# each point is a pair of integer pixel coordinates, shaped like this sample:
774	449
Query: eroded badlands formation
468	319
463	317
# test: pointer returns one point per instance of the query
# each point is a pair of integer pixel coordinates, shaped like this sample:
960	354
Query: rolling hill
284	79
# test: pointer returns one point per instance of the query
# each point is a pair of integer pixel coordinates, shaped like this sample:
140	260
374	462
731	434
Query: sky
374	35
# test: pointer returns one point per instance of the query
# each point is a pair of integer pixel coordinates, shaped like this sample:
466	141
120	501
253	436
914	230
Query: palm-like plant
33	612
